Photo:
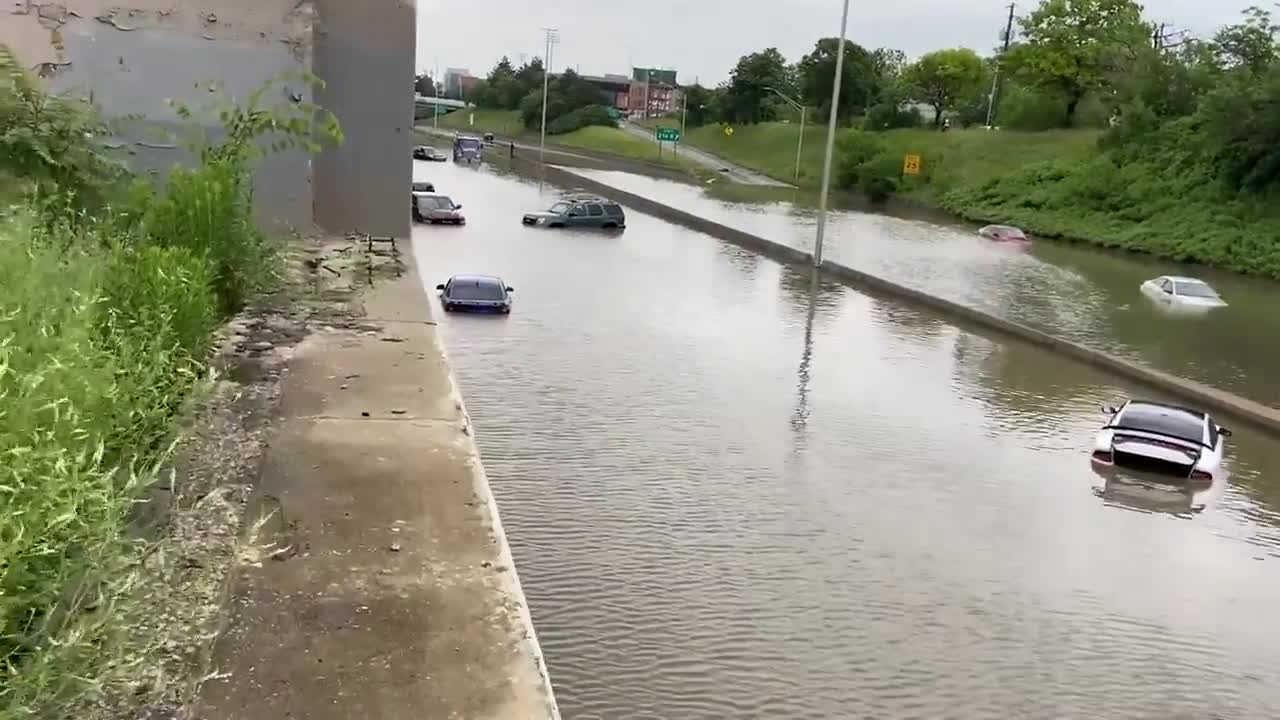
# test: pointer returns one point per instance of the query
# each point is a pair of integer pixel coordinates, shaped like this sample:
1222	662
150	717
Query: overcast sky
704	38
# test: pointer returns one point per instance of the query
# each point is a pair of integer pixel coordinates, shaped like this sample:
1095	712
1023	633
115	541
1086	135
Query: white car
1182	292
1155	439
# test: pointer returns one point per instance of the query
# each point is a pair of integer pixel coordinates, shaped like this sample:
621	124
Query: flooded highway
1074	291
732	491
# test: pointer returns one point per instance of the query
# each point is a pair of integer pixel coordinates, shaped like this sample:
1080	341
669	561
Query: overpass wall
133	56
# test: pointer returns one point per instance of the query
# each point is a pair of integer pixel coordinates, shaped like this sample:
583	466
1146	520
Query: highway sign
911	165
667	134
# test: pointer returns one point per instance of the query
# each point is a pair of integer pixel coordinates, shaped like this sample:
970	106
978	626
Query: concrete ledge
1227	404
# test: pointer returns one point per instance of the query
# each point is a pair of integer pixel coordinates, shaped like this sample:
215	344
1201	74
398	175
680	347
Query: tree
943	77
700	105
1249	45
817	71
423	85
747	98
1071	45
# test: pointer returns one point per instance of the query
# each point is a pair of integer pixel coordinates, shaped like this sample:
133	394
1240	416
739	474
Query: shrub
887	116
856	148
580	118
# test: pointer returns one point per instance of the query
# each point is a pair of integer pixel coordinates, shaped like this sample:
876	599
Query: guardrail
1228	404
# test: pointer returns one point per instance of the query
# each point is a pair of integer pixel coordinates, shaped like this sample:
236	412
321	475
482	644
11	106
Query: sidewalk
377	583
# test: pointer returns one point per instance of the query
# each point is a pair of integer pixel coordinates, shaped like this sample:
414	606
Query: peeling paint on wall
133	58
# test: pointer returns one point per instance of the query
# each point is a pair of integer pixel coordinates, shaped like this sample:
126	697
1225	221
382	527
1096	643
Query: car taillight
1201	476
1102	456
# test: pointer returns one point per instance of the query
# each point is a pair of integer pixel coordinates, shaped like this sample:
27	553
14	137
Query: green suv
580	211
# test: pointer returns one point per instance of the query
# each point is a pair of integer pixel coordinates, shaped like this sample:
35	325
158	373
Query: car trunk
1154	456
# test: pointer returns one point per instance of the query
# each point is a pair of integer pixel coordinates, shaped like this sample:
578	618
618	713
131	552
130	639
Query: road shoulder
376	580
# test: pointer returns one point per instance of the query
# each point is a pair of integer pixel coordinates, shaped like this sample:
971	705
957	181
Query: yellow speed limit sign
728	130
911	165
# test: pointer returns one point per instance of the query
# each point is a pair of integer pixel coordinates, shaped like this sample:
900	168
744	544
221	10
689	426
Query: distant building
458	83
663	92
615	90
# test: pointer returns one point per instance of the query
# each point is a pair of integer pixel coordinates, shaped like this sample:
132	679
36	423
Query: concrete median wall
1227	404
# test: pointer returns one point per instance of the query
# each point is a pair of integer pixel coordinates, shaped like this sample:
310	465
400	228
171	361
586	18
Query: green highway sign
667	134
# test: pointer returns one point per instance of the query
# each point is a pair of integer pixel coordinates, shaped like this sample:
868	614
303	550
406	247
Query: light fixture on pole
800	142
831	140
553	37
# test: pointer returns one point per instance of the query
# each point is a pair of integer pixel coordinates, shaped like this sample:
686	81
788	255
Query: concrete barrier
1227	404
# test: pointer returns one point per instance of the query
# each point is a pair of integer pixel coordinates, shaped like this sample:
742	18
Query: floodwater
731	494
1074	291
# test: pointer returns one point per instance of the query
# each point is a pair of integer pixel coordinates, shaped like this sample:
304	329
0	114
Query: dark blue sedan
477	293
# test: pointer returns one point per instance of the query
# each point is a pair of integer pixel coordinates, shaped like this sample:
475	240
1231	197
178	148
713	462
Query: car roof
478	279
1163	419
1184	279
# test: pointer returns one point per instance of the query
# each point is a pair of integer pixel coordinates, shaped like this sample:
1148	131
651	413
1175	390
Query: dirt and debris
193	516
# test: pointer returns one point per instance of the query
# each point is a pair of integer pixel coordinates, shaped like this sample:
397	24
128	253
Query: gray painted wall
365	53
135	73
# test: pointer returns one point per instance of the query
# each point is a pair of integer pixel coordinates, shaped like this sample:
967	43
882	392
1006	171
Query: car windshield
1194	289
475	290
559	208
1161	420
436	203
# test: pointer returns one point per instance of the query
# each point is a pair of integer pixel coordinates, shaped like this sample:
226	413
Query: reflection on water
1181	500
730	496
1074	291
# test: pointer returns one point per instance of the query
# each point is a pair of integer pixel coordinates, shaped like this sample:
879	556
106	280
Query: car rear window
475	290
1191	289
467	143
613	210
1167	421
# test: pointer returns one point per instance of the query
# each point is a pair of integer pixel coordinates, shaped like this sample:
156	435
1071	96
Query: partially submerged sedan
1159	441
1182	292
432	208
477	293
1003	233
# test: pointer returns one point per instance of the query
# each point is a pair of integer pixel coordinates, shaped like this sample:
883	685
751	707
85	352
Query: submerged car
1157	441
588	211
479	293
432	208
426	152
1183	292
1003	233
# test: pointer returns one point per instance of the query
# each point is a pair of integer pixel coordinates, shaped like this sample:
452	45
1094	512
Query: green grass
953	159
620	142
502	122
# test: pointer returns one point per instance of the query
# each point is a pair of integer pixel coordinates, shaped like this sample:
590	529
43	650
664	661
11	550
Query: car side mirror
511	289
440	286
457	207
1224	432
1108	410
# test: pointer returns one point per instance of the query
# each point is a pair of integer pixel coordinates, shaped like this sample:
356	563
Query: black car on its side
476	293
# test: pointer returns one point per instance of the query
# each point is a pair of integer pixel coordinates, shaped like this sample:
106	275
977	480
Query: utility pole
994	99
831	140
552	38
435	107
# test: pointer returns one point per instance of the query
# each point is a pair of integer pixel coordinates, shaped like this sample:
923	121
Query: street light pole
831	140
800	142
435	106
546	80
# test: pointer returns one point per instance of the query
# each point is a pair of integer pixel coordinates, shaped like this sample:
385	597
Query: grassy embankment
1156	196
111	295
596	138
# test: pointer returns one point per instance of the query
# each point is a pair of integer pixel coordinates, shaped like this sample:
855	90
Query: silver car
432	208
